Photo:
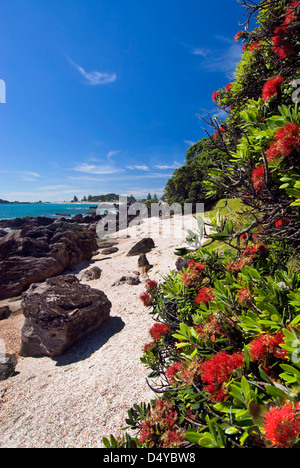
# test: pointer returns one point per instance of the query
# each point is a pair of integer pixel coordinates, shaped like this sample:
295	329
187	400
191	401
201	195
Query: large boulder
33	254
143	246
58	313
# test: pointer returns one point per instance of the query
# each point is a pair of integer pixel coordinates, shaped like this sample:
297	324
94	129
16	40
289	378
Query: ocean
51	210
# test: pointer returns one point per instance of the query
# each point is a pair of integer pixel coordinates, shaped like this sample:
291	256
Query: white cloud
95	78
139	168
97	169
175	165
190	142
201	51
223	59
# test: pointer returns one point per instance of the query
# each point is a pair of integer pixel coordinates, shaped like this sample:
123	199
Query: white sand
83	396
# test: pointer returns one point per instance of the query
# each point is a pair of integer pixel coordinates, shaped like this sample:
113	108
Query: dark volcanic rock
143	246
8	363
58	313
32	255
5	312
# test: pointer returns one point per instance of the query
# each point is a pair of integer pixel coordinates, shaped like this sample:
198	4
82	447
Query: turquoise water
50	210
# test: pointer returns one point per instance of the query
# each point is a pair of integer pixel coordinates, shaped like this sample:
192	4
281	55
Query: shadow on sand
85	347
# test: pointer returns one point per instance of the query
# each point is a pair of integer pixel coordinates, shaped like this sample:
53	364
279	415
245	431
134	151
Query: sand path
76	400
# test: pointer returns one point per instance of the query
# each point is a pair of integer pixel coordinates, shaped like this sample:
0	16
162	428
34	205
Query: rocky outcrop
143	246
58	313
33	254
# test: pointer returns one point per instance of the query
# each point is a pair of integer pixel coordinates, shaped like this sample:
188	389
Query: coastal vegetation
223	353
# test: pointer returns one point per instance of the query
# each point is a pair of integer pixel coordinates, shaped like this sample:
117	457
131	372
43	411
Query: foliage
224	356
187	183
261	135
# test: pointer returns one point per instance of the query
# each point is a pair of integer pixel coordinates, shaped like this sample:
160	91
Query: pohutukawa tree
224	351
261	135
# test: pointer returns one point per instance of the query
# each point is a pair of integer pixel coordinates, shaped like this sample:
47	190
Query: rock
181	264
109	250
5	312
31	255
131	280
143	246
8	363
143	264
3	233
92	274
58	313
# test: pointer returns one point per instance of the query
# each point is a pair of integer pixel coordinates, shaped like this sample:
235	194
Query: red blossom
254	46
282	222
257	177
216	371
271	87
215	96
146	299
238	35
173	371
204	296
282	425
158	331
267	345
228	87
151	285
244	296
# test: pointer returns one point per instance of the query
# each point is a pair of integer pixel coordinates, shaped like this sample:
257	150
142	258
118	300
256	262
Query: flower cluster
187	373
244	296
209	329
158	331
282	34
271	87
159	429
204	295
282	425
147	296
194	274
267	346
286	140
216	371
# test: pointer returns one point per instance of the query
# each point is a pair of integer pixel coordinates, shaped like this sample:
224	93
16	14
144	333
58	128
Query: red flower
282	425
151	285
257	177
146	299
282	222
244	296
194	275
173	371
271	87
281	46
238	35
216	371
148	346
254	45
287	140
215	96
205	295
158	331
265	346
228	87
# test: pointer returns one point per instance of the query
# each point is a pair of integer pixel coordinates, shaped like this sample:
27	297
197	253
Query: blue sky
104	95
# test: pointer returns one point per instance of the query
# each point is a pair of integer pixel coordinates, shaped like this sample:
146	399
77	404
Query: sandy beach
84	395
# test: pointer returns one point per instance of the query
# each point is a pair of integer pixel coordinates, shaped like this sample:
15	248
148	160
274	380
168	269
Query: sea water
50	210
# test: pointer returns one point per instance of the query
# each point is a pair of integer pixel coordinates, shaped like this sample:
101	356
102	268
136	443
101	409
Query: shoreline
76	400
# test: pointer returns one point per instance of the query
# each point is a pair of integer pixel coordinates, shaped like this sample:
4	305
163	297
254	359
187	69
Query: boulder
143	246
93	273
109	250
5	312
8	363
33	254
131	280
58	313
